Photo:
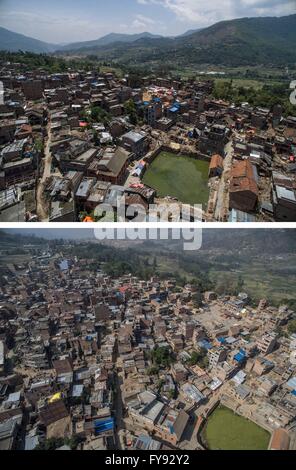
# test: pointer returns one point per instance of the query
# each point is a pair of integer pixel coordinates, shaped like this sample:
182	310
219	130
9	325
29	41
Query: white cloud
51	28
206	12
141	23
145	20
184	14
60	29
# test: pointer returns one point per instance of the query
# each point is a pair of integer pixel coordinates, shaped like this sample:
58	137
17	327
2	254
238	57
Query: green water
227	431
179	176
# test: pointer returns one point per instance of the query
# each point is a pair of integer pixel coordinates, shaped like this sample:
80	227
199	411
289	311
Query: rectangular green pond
225	430
179	176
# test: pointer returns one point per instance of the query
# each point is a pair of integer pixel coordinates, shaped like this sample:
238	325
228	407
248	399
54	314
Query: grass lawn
227	431
179	176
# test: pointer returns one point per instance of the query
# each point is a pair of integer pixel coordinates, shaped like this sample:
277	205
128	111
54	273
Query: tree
72	442
135	79
98	114
160	384
52	443
153	370
199	358
240	284
162	357
225	285
292	327
172	394
39	145
197	299
131	111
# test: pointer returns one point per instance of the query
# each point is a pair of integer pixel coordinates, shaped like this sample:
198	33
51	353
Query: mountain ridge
110	38
242	41
13	42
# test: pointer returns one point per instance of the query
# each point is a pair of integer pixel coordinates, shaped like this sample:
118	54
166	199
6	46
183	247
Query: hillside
238	241
245	41
108	39
240	42
13	42
189	32
264	259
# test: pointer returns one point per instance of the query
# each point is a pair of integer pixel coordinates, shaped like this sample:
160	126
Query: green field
227	431
262	279
179	176
243	82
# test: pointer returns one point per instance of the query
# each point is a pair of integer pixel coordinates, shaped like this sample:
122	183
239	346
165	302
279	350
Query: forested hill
246	41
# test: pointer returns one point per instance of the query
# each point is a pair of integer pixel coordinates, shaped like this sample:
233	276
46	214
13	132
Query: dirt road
42	209
222	205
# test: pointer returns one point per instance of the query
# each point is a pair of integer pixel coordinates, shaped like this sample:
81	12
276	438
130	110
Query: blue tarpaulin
104	425
240	356
205	344
64	265
222	340
292	383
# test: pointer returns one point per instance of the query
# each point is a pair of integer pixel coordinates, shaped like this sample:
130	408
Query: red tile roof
216	162
280	440
242	177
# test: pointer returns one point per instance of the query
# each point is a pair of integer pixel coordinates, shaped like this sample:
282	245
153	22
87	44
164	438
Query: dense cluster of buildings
104	362
69	140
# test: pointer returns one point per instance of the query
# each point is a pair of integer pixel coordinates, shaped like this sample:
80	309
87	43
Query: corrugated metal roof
284	193
240	216
292	383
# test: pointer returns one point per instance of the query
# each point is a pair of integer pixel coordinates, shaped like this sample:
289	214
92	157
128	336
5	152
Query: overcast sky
62	21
